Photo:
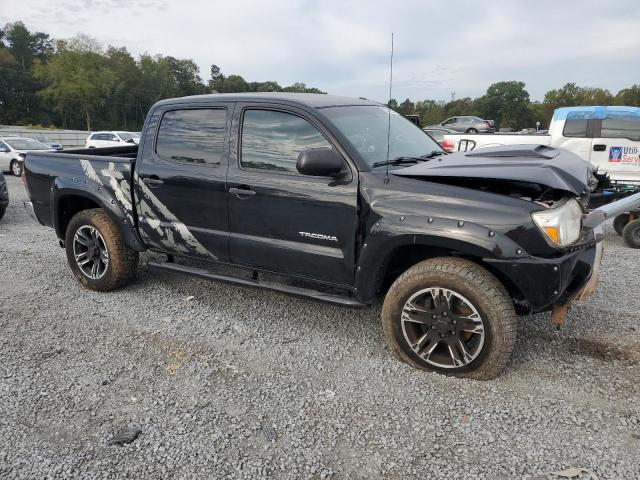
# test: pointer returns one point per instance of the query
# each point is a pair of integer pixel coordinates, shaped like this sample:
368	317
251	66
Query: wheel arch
67	201
404	252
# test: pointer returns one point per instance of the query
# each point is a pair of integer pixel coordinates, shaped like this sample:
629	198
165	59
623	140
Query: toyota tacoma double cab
340	200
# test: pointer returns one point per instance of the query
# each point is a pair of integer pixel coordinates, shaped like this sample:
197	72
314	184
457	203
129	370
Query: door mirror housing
320	162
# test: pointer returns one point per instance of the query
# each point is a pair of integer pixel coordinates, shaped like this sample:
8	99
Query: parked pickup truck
311	196
607	137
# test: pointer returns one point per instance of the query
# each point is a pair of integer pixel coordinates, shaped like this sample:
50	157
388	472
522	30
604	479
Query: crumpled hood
555	168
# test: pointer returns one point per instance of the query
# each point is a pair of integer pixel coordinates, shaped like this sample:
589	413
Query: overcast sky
343	46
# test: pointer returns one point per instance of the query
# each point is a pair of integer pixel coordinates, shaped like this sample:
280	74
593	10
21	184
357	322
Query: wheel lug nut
453	321
444	314
442	335
434	316
433	327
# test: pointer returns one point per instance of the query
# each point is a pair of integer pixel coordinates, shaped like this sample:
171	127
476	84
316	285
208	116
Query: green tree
216	79
234	84
430	112
507	103
629	96
301	88
407	107
78	79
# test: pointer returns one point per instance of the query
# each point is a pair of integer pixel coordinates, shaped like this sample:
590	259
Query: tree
216	79
430	112
186	75
629	96
301	88
78	79
233	84
393	104
407	107
507	103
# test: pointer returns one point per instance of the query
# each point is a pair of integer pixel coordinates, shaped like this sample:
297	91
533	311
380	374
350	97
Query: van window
621	125
193	136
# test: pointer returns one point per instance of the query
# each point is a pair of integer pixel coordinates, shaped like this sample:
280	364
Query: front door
180	182
616	146
279	220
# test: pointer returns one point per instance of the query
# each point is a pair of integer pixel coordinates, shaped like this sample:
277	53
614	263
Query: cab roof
313	100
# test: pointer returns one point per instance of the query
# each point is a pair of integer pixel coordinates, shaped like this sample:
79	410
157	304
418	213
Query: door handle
599	148
152	180
241	191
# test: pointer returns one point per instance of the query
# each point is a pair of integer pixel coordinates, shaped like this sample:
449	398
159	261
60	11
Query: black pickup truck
340	200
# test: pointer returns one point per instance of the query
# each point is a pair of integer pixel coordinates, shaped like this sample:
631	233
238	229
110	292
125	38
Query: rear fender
118	211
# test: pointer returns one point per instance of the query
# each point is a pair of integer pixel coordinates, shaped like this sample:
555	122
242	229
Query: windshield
126	136
366	129
26	144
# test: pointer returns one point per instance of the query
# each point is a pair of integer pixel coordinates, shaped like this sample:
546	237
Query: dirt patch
603	350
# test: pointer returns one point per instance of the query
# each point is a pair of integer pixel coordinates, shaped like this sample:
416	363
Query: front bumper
543	282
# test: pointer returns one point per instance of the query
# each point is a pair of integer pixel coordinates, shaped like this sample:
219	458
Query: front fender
104	198
386	235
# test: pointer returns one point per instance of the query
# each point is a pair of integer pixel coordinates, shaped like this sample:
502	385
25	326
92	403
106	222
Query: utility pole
453	96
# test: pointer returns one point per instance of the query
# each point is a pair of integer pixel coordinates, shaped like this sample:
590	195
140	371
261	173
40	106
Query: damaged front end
562	244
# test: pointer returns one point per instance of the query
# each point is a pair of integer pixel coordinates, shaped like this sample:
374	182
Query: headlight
561	224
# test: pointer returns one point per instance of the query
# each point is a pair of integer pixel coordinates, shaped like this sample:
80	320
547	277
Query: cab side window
194	136
272	140
575	127
621	125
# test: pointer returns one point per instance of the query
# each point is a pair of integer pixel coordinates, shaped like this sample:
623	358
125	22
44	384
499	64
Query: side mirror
320	162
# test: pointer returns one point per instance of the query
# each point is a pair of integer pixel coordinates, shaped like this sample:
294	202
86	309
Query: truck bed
107	173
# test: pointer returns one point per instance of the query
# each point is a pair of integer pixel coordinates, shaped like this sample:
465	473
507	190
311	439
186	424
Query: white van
608	137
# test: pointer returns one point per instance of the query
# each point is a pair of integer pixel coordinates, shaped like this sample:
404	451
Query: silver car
467	124
14	149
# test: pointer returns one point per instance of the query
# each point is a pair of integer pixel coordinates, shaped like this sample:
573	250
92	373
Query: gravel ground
239	383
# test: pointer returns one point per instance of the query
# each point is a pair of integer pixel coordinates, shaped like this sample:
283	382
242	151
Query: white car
607	137
111	139
14	149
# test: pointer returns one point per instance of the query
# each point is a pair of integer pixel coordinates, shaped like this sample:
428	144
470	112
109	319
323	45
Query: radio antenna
386	178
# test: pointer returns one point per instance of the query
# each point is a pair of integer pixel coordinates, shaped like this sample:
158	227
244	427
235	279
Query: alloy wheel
90	252
442	327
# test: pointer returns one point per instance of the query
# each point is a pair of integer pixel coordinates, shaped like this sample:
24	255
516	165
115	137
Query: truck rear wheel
631	234
96	253
452	316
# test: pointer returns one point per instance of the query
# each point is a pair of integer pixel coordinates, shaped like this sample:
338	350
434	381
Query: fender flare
386	236
63	187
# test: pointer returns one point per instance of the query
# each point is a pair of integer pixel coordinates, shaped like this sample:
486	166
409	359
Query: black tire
620	222
122	262
472	130
16	168
2	210
476	285
631	234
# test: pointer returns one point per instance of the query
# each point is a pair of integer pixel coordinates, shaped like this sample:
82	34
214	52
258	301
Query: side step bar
246	282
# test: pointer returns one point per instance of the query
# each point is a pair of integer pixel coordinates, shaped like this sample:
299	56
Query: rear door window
194	136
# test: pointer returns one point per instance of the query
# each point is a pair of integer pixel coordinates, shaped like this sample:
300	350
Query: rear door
180	182
616	145
279	220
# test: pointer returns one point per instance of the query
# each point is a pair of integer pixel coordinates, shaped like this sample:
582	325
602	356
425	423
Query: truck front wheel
96	253
452	316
